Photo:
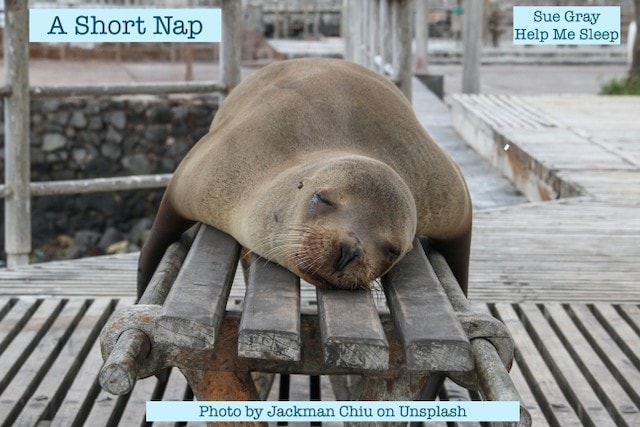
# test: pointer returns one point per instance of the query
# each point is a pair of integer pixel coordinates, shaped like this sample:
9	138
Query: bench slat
192	312
270	324
352	334
432	336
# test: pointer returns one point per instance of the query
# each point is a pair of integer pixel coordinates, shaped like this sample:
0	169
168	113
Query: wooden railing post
403	55
472	41
379	34
16	122
231	43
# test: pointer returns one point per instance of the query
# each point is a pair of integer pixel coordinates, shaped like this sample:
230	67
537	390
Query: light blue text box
332	411
566	25
124	25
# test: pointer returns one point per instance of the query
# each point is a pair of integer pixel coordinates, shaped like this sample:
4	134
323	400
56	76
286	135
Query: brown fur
302	131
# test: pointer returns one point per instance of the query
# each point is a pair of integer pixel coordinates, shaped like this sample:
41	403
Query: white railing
18	190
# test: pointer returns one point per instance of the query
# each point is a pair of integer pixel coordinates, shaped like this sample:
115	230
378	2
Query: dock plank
626	373
617	401
543	383
33	367
54	386
84	391
562	364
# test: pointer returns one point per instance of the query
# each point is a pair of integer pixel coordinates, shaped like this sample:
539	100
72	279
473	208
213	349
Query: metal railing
18	190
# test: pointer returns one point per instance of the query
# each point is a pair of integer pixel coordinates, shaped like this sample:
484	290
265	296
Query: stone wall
77	138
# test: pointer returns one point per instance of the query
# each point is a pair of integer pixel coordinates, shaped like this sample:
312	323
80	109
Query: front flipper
456	252
167	228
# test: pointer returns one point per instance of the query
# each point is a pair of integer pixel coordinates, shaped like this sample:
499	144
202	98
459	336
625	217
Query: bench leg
221	385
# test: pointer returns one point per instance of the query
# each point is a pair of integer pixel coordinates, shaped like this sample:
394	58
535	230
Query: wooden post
403	38
383	32
472	41
422	36
231	44
276	20
16	121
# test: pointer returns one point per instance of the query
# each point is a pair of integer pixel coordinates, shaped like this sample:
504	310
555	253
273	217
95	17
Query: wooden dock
562	272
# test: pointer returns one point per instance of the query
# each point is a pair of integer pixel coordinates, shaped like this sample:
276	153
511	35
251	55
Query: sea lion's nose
349	251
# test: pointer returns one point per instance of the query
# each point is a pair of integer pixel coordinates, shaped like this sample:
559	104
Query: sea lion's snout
350	252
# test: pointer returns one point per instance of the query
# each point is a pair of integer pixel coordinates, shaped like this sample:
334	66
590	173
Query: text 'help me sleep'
566	25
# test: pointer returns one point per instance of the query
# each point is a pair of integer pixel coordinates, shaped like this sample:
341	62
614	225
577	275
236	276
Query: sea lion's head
338	223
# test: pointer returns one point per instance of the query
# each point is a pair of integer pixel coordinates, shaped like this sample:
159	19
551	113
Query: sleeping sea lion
321	166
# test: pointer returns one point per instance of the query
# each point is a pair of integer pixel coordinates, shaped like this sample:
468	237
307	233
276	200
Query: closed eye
320	204
393	251
320	197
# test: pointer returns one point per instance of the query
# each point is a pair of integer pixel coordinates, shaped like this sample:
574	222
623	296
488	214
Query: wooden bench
181	321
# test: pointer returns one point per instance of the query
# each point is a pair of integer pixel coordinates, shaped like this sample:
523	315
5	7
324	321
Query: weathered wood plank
562	364
528	400
106	410
177	389
54	386
632	314
84	392
627	339
608	350
33	368
416	299
534	368
14	318
192	312
33	319
352	334
604	384
135	410
270	324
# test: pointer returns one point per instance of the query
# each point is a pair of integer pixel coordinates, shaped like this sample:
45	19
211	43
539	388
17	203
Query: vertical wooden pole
422	36
316	21
16	121
276	20
472	45
231	43
372	20
286	16
383	32
403	37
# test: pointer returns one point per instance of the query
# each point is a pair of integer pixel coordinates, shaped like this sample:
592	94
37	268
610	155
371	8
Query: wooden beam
472	45
17	157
